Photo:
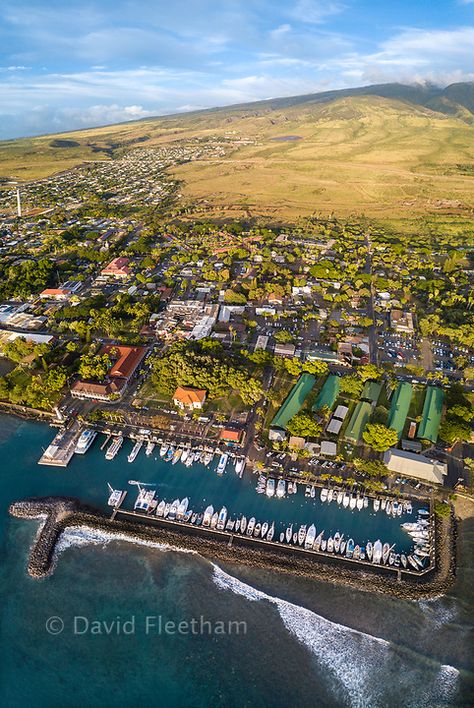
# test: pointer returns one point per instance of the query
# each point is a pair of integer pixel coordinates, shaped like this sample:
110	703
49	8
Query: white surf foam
85	535
357	660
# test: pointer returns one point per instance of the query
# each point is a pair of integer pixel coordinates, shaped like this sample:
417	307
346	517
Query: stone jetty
60	513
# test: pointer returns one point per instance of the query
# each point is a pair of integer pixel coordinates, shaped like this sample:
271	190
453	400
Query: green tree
94	366
351	385
379	437
303	425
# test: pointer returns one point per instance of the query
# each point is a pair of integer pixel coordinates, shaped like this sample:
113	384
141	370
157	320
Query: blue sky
67	65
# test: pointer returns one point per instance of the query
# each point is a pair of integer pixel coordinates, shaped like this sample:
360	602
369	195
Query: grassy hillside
381	155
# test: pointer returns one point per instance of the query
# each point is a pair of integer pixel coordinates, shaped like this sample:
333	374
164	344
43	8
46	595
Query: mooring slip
63	513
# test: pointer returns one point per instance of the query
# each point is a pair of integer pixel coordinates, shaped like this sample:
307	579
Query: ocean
122	624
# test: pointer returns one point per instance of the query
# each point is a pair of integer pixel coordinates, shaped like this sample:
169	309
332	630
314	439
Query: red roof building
230	435
187	397
118	268
126	361
55	294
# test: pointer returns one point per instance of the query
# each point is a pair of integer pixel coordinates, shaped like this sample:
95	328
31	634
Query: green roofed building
358	421
431	417
294	401
328	394
400	406
371	391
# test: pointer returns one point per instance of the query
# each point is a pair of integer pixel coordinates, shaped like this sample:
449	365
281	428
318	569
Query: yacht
302	534
86	439
243	524
222	463
208	515
352	502
207	458
257	529
350	548
340	497
377	551
376	504
251	526
330	546
318	541
313	492
281	488
346	500
190	459
166	510
176	456
289	533
271	532
135	450
323	494
343	547
144	500
369	549
264	529
185	454
356	554
114	447
310	536
270	489
173	510
214	520
169	454
324	543
403	559
160	509
116	497
337	542
359	503
330	495
182	508
150	446
240	466
164	449
222	518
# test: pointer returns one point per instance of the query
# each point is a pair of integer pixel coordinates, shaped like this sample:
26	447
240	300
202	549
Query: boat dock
60	451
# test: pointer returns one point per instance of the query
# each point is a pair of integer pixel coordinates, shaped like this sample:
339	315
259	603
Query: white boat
144	499
352	502
282	537
251	526
408	508
350	548
271	532
207	458
323	495
114	447
173	510
185	454
385	552
330	495
289	533
281	488
337	542
257	529
264	529
243	524
176	456
270	488
167	510
240	466
150	446
324	543
313	492
182	508
135	450
369	549
423	512
222	463
164	449
330	546
346	500
221	519
366	502
359	503
403	559
86	439
160	509
302	534
340	497
116	497
190	459
343	547
214	520
377	552
237	525
376	504
356	554
208	515
318	541
413	562
169	454
383	504
388	507
310	536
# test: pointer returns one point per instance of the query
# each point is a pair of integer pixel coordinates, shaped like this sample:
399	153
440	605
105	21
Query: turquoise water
306	642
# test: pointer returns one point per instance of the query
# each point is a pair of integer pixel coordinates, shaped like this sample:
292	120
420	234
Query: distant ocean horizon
119	623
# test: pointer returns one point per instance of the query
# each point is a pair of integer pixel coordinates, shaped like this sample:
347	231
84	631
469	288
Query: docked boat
257	530
209	511
302	534
391	558
369	549
144	499
167	510
385	552
173	510
310	536
383	504
251	526
356	554
237	525
408	508
243	524
150	446
160	509
185	454
190	459
214	520
330	495
323	495
221	519
169	454
264	529
116	497
281	488
388	507
377	552
376	504
135	450
337	542
330	546
197	455
346	500
403	559
282	537
270	488
289	533
343	547
340	497
352	502
324	543
240	466
413	562
222	463
164	449
176	456
423	512
359	503
290	487
350	548
366	502
86	439
318	541
182	508
313	492
207	458
271	532
114	447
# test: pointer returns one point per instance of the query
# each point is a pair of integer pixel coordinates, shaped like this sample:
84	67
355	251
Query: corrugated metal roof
328	394
400	407
371	391
431	418
294	401
358	421
409	464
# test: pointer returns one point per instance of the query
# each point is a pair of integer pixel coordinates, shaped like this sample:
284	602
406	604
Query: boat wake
358	661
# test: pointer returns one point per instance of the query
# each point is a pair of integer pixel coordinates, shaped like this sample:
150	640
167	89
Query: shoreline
60	513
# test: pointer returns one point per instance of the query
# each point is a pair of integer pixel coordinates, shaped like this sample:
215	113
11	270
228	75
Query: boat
206	521
350	548
243	524
197	455
324	494
313	492
114	447
257	529
318	541
185	454
356	554
207	458
251	526
86	439
290	487
194	518
173	510
366	502
394	507
376	504
385	552
408	508
240	466
164	449
400	510
352	502
281	488
144	499
330	495
264	529
214	520
289	533
295	537
176	456
343	547
307	491
330	546
150	446
187	516
383	504
282	537
199	519
391	558
345	500
423	512
403	559
271	532
167	510
221	519
182	509
169	454
369	549
230	525
135	450
413	562
160	509
340	497
302	534
359	503
116	497
222	463
388	507
295	487
323	545
270	488
337	542
310	536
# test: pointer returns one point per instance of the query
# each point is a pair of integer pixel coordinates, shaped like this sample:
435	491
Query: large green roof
358	421
329	392
431	417
371	391
400	406
294	401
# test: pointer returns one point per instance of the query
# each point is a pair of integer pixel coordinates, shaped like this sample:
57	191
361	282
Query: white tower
18	202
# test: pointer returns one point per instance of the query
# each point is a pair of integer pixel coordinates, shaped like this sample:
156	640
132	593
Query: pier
60	451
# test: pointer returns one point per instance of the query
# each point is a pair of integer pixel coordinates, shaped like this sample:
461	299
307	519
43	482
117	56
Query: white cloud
316	11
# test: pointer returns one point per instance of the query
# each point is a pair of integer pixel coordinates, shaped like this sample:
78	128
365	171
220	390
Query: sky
67	64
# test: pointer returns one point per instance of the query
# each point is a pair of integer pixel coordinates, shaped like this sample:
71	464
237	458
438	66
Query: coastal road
372	333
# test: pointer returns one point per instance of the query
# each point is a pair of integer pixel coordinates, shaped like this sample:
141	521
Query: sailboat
310	536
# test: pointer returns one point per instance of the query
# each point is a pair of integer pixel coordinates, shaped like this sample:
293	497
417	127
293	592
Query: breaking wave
85	536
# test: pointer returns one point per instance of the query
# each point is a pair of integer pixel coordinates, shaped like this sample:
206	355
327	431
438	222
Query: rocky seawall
60	513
